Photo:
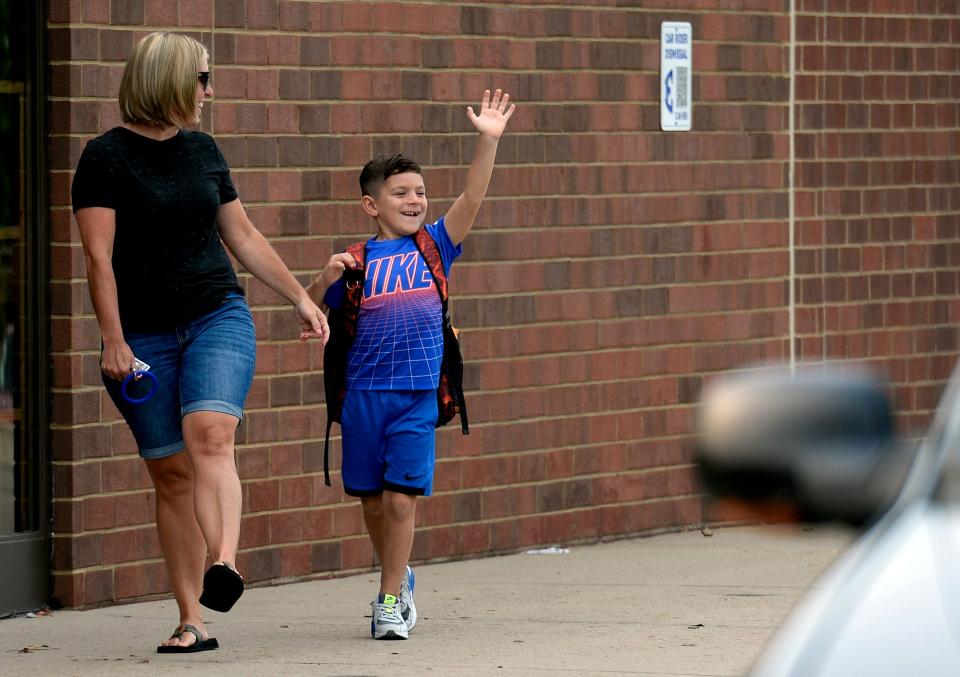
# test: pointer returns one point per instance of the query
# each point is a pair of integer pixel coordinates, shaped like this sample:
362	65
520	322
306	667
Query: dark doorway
24	359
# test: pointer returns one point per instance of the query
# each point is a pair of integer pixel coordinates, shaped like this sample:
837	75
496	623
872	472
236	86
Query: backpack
343	330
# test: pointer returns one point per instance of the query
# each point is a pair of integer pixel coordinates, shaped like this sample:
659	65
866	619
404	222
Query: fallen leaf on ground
30	648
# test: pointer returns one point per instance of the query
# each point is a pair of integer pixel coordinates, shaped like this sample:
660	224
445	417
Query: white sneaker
387	623
408	610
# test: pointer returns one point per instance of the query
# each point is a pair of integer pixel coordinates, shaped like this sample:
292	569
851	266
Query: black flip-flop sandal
200	645
222	587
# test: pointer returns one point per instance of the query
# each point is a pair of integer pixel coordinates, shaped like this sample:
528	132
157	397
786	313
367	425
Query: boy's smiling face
399	206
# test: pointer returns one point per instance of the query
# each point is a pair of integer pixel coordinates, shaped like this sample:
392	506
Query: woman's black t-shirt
168	259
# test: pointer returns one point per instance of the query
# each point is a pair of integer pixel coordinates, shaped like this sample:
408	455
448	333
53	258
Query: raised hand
494	114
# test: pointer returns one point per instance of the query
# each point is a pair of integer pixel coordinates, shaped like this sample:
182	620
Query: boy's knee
372	506
398	506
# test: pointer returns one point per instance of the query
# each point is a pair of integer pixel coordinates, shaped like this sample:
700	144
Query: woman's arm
256	255
98	227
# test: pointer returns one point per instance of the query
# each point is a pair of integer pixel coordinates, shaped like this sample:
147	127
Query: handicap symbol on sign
668	91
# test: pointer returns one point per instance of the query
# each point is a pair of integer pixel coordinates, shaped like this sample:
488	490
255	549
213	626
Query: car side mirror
818	444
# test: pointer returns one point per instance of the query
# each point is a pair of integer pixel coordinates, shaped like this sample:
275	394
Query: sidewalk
674	604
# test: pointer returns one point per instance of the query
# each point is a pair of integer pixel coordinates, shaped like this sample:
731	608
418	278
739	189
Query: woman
153	202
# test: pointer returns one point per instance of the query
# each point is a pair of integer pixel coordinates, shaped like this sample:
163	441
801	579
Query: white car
820	444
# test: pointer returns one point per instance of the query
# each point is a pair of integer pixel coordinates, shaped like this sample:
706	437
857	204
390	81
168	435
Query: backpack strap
335	387
431	254
354	284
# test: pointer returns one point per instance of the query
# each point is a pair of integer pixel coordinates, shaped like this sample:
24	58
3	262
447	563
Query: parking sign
676	71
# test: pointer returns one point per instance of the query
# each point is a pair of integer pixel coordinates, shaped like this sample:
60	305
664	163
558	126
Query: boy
393	368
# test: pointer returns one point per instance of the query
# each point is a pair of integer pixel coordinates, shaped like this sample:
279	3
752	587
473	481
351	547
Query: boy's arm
490	123
330	274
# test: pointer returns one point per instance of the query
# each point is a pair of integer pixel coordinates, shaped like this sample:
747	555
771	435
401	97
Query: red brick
98	513
294	15
262	426
475	538
125	474
357	553
67	517
295	356
295	561
255	531
283	119
262	84
262	14
262	495
438	510
258	396
285	527
317	524
98	586
77	479
119	546
326	556
68	588
440	541
284	186
283	50
160	13
133	509
79	551
348	520
503	535
260	565
295	492
95	11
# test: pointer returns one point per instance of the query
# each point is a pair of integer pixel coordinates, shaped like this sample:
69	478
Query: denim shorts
204	365
389	439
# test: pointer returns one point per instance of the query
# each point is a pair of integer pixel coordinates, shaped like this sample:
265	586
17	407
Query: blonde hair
159	85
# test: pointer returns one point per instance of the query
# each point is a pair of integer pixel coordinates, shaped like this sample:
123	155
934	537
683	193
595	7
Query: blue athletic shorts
204	365
388	441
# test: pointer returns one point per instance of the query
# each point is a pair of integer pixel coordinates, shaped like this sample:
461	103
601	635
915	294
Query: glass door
24	496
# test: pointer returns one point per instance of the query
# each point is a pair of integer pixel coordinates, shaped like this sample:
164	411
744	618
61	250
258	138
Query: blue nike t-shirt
399	341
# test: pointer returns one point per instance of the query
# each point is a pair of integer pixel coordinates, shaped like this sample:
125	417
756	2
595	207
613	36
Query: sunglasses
204	78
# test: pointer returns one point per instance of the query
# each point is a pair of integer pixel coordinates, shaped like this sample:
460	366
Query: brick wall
878	190
613	267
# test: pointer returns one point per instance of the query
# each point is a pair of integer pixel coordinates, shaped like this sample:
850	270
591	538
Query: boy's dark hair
376	172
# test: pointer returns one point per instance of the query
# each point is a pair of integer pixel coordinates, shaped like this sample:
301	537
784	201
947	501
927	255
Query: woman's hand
313	323
116	360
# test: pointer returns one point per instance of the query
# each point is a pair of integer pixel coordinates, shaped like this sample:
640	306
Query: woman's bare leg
181	541
217	496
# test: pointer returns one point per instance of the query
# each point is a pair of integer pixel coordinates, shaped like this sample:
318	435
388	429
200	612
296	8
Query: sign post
676	71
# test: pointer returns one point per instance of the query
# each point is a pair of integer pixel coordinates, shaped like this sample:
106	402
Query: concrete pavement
672	604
